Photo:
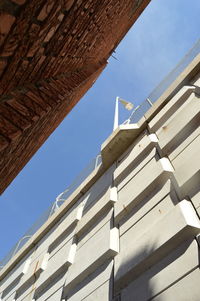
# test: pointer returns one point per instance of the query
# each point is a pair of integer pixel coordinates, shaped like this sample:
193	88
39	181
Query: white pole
116	116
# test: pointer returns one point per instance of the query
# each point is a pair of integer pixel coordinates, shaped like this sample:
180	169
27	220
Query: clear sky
163	34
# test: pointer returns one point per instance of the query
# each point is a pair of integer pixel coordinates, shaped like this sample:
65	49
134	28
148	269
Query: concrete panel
103	292
58	263
193	133
136	153
187	168
60	241
155	173
69	219
198	211
142	219
102	246
145	206
92	229
96	211
63	229
187	289
11	282
126	153
121	138
56	296
27	295
56	284
44	242
66	224
10	297
137	255
196	80
153	216
170	108
135	168
195	198
99	188
92	282
10	289
163	274
176	128
35	268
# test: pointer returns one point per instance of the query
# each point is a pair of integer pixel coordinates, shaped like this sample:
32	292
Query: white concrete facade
131	232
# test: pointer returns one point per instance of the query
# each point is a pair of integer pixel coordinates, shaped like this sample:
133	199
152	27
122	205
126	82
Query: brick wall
51	52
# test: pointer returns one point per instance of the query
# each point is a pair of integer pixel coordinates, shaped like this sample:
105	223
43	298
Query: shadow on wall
126	277
148	278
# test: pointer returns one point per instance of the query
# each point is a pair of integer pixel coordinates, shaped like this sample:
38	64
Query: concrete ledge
12	280
35	268
92	282
58	263
94	213
179	125
162	237
186	288
147	207
187	175
103	246
170	108
105	217
50	291
136	153
155	173
118	142
164	274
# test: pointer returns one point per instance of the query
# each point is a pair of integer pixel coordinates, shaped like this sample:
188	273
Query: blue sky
162	35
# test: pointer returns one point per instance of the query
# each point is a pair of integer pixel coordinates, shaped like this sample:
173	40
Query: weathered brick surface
50	54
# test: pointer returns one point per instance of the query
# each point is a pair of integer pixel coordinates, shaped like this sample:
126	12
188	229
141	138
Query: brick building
51	52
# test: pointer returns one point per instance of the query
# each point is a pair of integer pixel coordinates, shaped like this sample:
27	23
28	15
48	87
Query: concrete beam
135	153
164	273
187	169
179	125
118	142
92	282
58	263
138	255
185	289
170	108
94	226
153	208
95	212
103	246
155	173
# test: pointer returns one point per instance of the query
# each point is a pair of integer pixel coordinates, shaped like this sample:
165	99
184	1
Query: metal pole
149	101
116	116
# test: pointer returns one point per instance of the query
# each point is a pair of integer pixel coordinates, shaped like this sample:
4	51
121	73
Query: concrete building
130	229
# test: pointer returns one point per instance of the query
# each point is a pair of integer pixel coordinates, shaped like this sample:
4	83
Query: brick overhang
51	52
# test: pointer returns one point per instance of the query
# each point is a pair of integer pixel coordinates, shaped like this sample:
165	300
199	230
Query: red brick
20	2
6	21
37	97
8	129
45	10
3	64
3	143
68	4
14	116
25	111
